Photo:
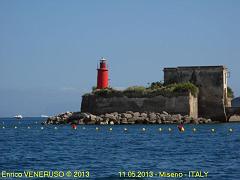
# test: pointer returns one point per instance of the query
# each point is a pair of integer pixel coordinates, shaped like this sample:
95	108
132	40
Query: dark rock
194	121
140	120
80	121
208	121
110	116
91	122
124	121
164	112
152	117
168	118
144	115
136	114
187	119
159	121
123	118
162	117
152	121
129	112
126	115
131	121
115	113
93	117
103	123
84	115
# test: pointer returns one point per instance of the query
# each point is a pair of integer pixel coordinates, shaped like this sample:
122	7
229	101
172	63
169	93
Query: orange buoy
181	128
74	126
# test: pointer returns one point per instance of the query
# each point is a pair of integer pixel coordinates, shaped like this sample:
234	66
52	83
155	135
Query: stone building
178	103
211	101
212	84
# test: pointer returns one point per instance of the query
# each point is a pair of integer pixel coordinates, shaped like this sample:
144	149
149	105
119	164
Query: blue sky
49	49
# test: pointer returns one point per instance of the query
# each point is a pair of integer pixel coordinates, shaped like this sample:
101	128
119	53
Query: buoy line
110	129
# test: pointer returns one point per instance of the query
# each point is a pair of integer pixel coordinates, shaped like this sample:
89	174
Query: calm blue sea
130	153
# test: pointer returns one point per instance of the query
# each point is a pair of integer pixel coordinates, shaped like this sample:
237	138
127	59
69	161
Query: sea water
31	150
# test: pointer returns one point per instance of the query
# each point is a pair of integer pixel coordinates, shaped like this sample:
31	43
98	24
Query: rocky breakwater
128	117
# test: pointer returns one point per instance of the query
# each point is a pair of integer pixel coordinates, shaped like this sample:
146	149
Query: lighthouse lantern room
102	74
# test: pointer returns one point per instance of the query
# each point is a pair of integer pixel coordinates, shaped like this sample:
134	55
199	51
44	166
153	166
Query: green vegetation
230	92
183	87
107	92
155	89
94	88
170	89
156	85
135	91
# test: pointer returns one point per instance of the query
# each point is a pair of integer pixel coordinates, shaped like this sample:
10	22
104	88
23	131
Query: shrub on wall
156	85
183	87
230	92
108	92
135	91
168	90
153	90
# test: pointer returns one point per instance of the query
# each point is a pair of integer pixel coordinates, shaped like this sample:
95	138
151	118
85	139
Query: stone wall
212	84
180	103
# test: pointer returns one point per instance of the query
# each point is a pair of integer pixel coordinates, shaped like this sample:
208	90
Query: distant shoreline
24	117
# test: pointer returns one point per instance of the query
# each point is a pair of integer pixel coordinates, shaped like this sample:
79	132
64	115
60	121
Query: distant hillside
236	102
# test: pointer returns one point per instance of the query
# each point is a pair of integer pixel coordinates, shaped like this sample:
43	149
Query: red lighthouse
102	75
